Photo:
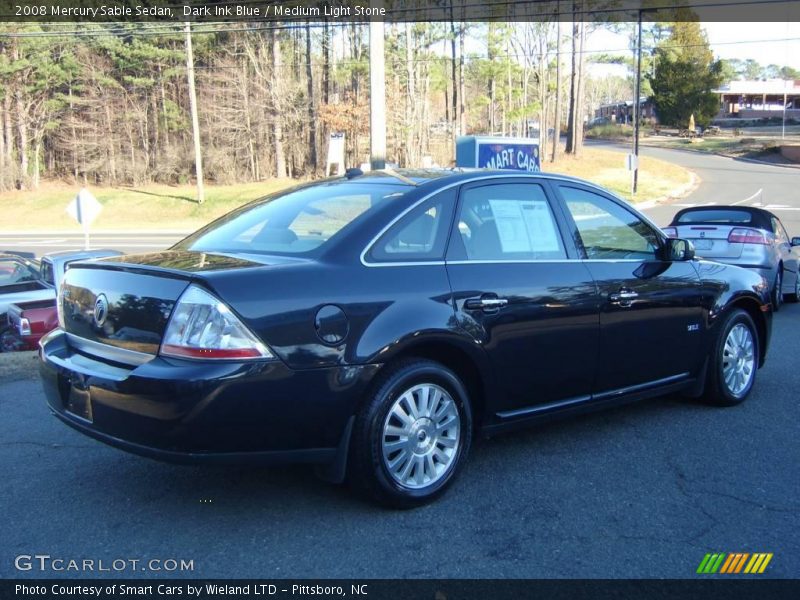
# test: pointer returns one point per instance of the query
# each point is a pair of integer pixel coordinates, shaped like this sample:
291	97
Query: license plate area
77	400
703	244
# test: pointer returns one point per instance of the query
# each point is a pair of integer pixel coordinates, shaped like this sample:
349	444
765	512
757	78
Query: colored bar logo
733	563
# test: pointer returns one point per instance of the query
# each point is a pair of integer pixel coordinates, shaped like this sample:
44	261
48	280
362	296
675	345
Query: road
639	491
128	242
723	181
729	181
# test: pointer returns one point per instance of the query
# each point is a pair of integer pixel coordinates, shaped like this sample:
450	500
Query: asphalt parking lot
640	491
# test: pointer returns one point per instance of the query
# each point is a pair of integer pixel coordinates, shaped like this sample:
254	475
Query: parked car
373	323
747	237
20	281
32	314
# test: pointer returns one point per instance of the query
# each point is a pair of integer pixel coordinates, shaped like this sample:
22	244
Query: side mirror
676	249
796	241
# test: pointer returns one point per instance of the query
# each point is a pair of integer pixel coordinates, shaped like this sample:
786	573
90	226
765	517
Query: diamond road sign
84	208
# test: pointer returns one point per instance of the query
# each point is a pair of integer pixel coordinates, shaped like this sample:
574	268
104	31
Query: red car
32	313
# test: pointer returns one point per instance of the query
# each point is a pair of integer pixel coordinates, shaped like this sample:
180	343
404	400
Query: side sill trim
571	402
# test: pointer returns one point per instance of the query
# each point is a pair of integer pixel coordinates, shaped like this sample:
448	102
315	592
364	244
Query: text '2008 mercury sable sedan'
372	324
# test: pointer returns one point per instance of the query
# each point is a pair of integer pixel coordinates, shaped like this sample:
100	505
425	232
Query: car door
651	316
787	253
521	292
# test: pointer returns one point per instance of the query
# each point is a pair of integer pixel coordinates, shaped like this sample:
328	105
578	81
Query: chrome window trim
478	177
114	353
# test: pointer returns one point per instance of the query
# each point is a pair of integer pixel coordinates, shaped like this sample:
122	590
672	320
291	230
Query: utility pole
636	107
377	92
198	158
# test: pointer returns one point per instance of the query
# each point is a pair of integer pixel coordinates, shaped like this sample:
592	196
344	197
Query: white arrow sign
84	208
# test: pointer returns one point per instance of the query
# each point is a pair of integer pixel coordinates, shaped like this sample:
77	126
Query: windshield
295	222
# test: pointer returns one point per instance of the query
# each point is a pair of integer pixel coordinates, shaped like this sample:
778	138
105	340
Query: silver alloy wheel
738	359
421	436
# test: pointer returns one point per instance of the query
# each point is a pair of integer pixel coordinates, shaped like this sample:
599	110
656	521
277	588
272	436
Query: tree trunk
462	116
454	73
557	116
326	63
277	125
491	86
312	112
411	98
570	149
22	135
198	157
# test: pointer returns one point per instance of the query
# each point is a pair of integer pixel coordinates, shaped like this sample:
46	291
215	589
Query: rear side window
741	217
419	236
13	272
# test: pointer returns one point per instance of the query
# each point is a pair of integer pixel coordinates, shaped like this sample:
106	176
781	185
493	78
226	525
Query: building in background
622	111
760	99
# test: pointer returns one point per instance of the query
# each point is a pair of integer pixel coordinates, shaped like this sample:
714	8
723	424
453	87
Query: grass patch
656	177
150	207
163	207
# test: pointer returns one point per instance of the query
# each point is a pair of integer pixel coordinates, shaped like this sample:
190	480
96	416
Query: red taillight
670	232
743	235
202	326
173	350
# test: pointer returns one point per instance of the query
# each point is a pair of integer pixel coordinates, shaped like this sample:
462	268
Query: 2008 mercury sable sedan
373	323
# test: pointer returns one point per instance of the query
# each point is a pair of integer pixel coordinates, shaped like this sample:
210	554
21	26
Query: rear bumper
190	411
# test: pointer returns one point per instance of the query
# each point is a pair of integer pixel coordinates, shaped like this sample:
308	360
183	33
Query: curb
676	194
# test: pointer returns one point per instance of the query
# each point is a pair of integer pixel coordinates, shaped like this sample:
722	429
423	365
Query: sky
764	42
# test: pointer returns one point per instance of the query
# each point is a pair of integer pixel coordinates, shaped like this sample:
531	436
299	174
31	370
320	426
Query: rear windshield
716	216
297	221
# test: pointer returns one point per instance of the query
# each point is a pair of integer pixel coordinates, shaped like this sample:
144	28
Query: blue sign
505	155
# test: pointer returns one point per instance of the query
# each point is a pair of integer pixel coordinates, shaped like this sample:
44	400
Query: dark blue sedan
373	324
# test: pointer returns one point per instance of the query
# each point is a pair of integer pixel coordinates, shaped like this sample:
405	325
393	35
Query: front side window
295	222
608	231
508	222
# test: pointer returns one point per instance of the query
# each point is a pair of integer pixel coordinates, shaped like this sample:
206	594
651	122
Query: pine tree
685	75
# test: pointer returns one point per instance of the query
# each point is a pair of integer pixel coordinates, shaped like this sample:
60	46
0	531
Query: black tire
777	294
368	472
8	341
717	391
795	297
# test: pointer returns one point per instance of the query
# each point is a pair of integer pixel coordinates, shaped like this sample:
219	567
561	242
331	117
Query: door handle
623	297
485	303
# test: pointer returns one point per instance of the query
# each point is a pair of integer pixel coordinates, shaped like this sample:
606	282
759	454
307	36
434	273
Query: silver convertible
744	236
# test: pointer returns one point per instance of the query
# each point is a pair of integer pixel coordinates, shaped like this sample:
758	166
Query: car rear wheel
777	294
733	362
412	435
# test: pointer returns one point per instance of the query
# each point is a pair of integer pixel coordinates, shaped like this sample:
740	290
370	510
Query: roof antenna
353	172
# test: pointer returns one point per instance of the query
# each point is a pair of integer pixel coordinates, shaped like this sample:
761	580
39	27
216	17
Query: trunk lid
711	241
126	301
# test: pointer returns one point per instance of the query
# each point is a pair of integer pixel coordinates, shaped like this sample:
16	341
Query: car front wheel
777	294
733	362
412	435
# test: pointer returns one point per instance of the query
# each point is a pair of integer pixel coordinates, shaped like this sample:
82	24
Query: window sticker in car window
524	226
